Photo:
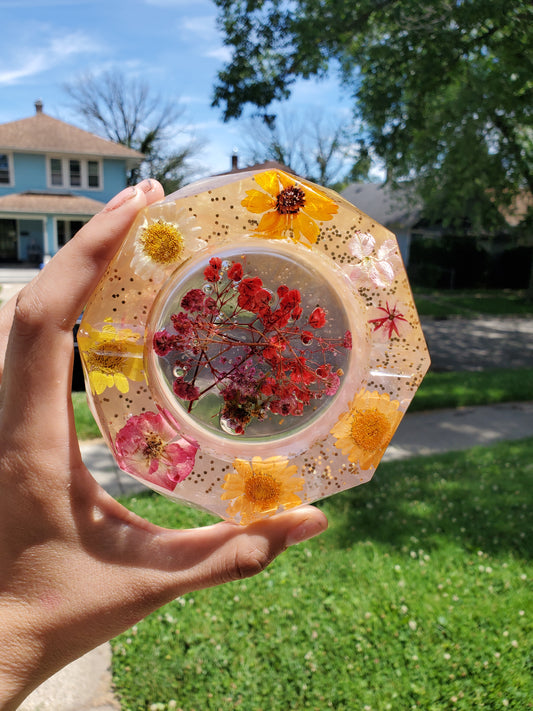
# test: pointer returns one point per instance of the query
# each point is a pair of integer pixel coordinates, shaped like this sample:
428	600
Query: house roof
42	133
393	208
268	165
49	203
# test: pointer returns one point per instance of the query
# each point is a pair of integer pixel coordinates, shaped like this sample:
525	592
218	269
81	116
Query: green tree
443	89
126	111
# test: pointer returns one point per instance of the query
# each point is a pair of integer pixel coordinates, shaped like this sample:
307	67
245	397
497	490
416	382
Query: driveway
479	344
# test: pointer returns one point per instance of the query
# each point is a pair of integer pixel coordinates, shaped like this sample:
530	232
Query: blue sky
173	44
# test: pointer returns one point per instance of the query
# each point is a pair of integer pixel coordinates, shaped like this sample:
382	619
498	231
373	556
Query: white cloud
205	29
221	54
200	25
40	57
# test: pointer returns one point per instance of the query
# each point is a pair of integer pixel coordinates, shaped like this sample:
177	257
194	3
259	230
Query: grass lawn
462	389
86	427
438	390
417	597
472	303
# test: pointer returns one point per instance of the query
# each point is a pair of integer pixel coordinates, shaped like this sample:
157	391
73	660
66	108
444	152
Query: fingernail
146	185
120	199
305	530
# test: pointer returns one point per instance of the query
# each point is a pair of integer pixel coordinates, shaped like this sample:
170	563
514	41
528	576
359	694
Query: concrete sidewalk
86	683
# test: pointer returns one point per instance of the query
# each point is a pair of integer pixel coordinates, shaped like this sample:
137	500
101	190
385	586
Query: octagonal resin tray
252	346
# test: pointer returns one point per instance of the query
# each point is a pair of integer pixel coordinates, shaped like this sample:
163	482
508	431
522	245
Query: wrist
21	654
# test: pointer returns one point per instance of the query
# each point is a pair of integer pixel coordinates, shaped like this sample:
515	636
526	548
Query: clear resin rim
286	235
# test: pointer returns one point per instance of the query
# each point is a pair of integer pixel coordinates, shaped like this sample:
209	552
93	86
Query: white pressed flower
375	267
163	242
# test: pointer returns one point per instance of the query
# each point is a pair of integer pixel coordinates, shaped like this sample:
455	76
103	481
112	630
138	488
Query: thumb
199	558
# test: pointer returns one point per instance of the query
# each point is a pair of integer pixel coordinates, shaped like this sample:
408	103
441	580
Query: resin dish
253	345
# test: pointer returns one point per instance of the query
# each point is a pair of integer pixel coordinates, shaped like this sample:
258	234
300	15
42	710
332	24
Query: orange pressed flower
288	207
364	432
258	488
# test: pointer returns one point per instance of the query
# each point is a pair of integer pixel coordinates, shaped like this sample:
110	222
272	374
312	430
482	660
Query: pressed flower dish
252	346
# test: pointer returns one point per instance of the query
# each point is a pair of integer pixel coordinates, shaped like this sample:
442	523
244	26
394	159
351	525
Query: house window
66	229
75	173
93	174
56	171
5	174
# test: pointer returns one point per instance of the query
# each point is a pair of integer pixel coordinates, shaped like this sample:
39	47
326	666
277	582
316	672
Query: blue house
53	178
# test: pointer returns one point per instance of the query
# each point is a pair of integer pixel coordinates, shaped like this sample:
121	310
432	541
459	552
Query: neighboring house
268	165
53	178
398	210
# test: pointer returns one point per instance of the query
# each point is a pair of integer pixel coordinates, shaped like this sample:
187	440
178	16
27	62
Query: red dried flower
212	272
347	340
235	272
318	318
297	312
290	300
258	365
249	289
163	342
185	391
182	326
193	300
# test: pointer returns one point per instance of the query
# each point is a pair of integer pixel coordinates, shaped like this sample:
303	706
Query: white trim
65	172
11	169
66	218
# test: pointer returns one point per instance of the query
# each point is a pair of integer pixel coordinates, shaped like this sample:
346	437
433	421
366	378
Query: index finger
39	349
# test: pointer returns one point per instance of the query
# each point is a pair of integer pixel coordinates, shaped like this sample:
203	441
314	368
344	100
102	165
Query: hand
76	567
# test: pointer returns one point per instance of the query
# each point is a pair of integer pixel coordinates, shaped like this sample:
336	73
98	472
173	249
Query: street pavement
454	344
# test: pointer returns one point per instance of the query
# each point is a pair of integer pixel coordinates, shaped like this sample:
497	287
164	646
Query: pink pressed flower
148	447
376	267
390	320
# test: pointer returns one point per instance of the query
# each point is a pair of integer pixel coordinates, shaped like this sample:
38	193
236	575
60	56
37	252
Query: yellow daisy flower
258	488
162	244
364	432
290	208
112	358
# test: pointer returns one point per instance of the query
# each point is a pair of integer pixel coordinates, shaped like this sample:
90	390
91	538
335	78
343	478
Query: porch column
48	238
